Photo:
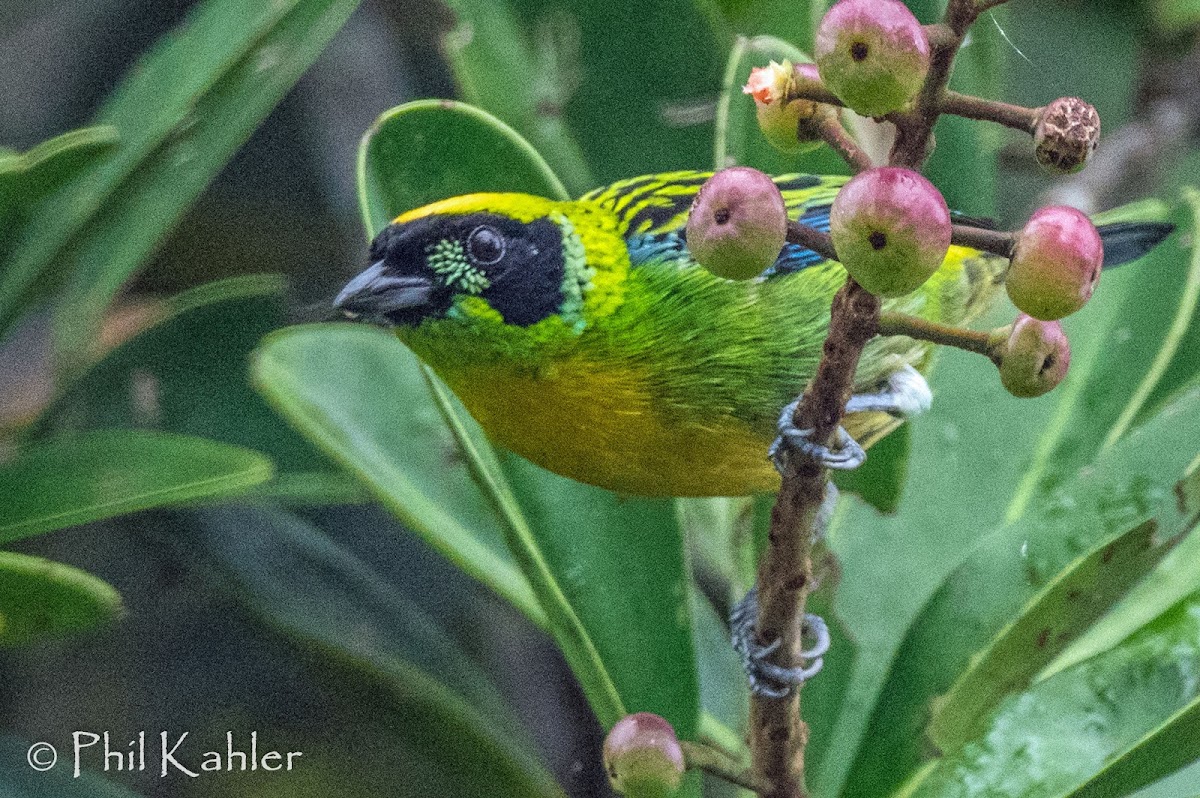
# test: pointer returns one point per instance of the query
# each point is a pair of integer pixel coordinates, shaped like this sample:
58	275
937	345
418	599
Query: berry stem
806	88
984	110
811	238
997	242
699	756
981	343
834	133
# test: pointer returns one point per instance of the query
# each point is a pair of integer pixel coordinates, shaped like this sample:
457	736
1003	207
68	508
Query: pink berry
1056	263
1067	133
1035	357
737	224
791	126
873	54
643	757
891	230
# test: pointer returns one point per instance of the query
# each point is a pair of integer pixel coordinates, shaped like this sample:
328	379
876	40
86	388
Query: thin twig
980	343
997	242
803	87
811	238
719	764
834	133
985	110
778	735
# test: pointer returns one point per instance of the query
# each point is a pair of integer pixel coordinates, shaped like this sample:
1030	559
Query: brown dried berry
1067	133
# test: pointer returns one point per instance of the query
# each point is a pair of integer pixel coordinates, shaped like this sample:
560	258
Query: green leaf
18	780
573	639
723	693
1067	606
304	584
523	74
29	178
429	150
83	478
1105	727
40	599
1174	579
187	374
359	394
181	114
880	481
620	564
1128	486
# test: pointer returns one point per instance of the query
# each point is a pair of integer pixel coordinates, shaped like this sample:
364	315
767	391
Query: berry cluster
889	226
892	231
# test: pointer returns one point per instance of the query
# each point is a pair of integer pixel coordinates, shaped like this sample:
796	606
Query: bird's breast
604	424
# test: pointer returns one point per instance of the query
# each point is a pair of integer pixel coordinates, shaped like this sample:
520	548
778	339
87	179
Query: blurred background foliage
178	179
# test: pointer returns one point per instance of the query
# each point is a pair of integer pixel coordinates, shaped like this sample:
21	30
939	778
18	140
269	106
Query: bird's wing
653	211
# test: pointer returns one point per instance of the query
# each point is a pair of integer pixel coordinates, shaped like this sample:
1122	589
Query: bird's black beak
376	297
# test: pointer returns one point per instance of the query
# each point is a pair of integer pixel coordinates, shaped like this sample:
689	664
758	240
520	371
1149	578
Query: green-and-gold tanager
583	336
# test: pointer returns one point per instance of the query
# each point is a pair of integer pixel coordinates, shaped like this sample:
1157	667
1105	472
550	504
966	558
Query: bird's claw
844	455
905	395
766	678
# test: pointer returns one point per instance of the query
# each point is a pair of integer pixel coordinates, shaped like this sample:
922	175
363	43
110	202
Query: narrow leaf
322	595
1104	727
40	599
89	477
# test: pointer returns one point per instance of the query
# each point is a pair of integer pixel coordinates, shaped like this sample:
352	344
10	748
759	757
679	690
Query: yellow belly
601	426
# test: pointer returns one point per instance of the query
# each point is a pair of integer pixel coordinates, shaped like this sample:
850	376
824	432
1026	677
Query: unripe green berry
873	54
1067	133
891	230
791	126
643	757
1034	358
1056	263
738	223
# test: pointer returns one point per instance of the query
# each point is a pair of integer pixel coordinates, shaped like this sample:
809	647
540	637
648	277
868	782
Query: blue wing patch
660	247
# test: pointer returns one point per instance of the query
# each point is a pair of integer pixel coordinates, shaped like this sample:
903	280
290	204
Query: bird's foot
905	395
844	455
766	678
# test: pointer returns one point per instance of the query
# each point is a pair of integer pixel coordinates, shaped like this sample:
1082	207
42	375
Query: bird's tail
1125	242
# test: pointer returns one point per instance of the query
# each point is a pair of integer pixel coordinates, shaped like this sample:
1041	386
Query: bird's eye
485	245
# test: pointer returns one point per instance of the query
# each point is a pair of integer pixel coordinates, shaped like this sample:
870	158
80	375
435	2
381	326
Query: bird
583	336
